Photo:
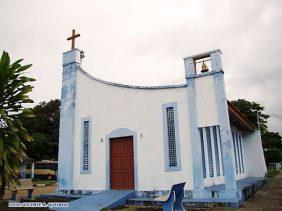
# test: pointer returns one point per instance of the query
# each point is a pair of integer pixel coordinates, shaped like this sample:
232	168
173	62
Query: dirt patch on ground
269	197
37	191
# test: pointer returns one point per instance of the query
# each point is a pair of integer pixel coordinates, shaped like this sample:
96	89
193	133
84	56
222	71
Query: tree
272	156
252	111
14	89
44	128
272	140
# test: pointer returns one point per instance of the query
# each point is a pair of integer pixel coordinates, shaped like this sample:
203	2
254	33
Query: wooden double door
122	163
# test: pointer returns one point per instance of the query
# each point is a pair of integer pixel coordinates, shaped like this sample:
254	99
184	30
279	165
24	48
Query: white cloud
143	42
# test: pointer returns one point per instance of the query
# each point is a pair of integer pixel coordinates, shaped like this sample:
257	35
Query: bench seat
25	184
173	200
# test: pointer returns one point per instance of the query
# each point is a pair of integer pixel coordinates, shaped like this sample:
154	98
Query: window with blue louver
235	151
85	147
211	151
238	154
172	155
242	157
171	136
203	153
209	147
216	146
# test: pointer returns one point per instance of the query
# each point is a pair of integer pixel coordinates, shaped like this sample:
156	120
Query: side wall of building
254	157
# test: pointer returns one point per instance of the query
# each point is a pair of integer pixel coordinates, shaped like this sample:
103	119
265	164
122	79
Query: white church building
148	138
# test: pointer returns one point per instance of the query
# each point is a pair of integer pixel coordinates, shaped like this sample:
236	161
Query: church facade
147	138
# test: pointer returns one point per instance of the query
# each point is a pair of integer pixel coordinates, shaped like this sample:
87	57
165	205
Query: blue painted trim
132	86
117	133
204	74
177	139
82	171
225	131
196	144
66	133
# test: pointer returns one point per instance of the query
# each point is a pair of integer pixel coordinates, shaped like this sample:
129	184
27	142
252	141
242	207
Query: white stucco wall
207	116
140	110
206	101
254	157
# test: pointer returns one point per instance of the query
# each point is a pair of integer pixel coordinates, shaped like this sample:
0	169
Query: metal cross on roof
72	38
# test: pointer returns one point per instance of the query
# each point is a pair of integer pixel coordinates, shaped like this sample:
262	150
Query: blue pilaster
224	123
71	63
190	71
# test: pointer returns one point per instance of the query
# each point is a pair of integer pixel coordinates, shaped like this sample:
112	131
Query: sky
144	42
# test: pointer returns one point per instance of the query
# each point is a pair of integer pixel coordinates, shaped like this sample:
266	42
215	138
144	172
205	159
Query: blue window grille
216	150
235	152
171	136
203	153
85	163
209	147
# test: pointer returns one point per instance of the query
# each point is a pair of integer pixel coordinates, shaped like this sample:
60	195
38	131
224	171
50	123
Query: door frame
119	133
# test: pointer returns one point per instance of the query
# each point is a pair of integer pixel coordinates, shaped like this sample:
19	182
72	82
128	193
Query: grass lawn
272	173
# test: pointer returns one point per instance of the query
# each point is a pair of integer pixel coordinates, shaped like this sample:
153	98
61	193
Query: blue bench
173	201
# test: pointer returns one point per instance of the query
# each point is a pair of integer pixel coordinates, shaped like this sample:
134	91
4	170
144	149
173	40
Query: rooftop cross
72	38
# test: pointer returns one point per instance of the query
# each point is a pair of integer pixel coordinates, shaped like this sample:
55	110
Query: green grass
272	173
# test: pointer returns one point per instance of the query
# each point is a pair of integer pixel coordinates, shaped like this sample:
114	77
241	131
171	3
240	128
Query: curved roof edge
132	86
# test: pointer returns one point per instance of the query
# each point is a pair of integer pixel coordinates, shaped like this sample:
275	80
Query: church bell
204	68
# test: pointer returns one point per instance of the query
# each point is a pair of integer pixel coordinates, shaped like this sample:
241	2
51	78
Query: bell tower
204	71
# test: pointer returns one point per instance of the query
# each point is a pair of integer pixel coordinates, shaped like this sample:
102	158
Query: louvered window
241	150
209	147
222	163
235	151
215	139
211	151
86	145
238	154
203	153
171	136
